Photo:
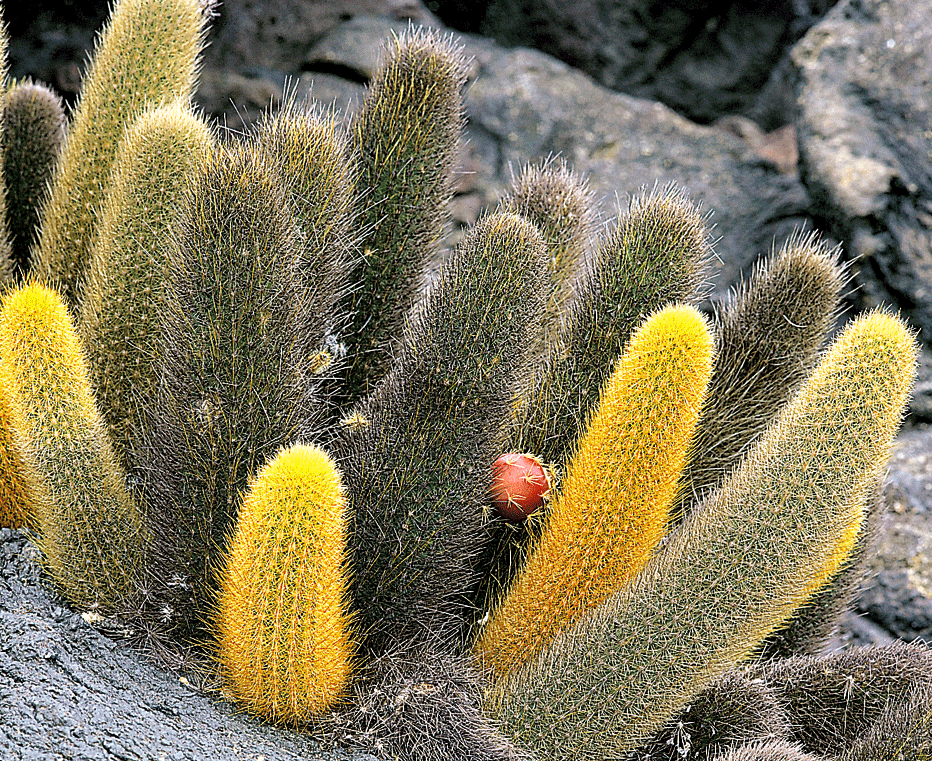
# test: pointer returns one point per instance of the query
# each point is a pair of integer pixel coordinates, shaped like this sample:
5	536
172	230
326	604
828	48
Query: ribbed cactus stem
654	257
405	137
232	389
90	530
419	453
148	54
744	560
559	203
614	501
284	633
309	150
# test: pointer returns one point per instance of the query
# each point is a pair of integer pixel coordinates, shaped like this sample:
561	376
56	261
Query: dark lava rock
69	692
898	596
703	59
865	140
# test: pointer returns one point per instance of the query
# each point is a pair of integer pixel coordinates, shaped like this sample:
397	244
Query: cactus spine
555	200
417	459
121	301
90	530
406	137
833	699
147	55
769	336
774	533
33	131
283	631
614	501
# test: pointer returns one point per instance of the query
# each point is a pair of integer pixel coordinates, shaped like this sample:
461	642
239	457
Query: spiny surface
418	456
741	564
147	54
33	132
232	320
405	138
614	501
282	625
129	262
90	530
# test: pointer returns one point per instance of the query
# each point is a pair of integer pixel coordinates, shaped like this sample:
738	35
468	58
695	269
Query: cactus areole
520	485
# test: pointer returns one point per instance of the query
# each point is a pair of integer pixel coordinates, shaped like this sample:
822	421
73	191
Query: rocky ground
806	116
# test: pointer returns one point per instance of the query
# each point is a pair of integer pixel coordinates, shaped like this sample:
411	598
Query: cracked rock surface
69	692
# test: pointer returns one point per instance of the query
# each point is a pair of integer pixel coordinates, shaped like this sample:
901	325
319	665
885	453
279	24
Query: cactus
231	318
311	153
121	303
33	131
831	701
730	712
507	351
423	705
777	529
406	137
90	530
147	55
812	626
613	505
6	248
417	460
903	731
769	335
772	750
553	198
284	636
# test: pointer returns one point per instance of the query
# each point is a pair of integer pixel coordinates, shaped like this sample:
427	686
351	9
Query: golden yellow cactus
284	632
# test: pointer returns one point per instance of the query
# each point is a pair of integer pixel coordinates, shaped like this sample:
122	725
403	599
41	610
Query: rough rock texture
523	106
703	59
69	692
865	139
898	597
264	34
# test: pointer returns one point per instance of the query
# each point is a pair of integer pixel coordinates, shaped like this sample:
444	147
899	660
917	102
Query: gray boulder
898	595
703	59
865	140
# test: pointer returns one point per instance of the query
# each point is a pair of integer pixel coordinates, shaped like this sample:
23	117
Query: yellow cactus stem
619	485
775	532
283	629
15	511
89	528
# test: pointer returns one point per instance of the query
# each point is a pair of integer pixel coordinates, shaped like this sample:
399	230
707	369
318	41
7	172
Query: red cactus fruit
520	484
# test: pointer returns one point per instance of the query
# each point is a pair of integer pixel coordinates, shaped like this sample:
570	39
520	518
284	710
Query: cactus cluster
239	423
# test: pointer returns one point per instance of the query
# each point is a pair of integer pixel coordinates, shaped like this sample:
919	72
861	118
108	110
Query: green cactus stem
418	454
122	299
148	54
33	132
406	137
